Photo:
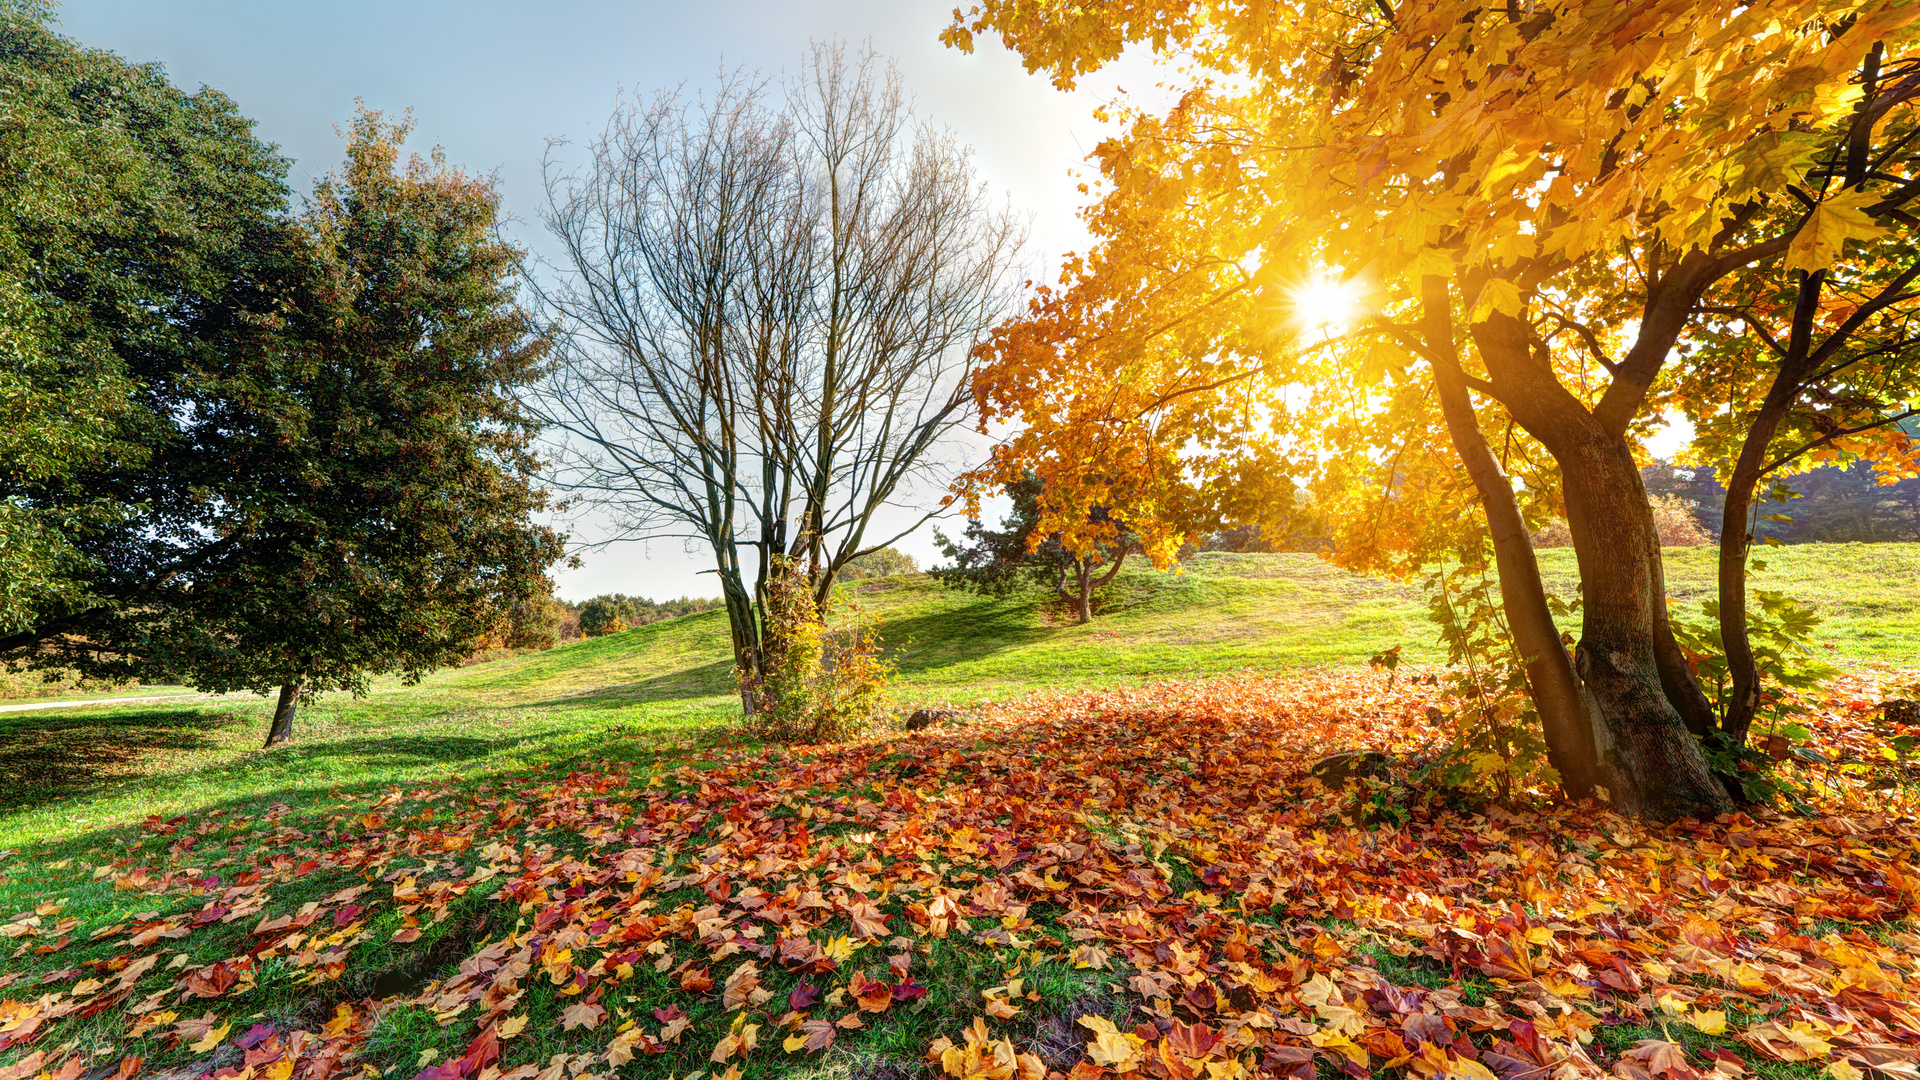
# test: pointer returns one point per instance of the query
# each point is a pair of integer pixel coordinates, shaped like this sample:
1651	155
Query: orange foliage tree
1529	208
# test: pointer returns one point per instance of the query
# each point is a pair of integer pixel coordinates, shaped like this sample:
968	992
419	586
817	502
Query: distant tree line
610	613
1833	504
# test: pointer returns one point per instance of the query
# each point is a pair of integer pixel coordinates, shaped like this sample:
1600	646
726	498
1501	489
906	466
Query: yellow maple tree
1411	252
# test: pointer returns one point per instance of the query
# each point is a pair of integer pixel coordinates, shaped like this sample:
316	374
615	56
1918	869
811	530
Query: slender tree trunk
1569	716
281	731
1083	600
1736	537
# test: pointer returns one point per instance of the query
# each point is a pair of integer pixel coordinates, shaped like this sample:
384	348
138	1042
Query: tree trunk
1657	766
1083	602
1653	764
1743	674
281	730
1676	675
1736	536
1568	715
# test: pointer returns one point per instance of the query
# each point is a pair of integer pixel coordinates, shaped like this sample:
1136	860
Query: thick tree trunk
1083	597
1568	715
1653	763
281	730
1676	675
1658	768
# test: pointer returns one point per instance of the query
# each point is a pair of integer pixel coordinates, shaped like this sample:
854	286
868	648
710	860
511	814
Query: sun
1326	301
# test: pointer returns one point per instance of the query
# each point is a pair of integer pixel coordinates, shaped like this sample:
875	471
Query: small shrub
817	684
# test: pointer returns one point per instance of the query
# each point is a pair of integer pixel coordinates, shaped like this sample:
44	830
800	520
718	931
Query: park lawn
669	683
1130	877
545	760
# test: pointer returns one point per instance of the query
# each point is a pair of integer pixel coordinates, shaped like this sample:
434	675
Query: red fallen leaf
909	990
347	914
872	994
483	1051
1192	1040
696	980
669	1014
1294	1062
1507	957
801	997
211	981
256	1035
1524	1056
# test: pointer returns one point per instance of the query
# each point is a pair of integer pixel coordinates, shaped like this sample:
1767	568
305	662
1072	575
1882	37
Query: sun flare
1328	302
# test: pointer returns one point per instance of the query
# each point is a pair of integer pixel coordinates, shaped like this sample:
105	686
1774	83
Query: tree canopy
247	448
1448	254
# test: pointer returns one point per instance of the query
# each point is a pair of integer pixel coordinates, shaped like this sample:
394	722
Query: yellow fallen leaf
211	1039
1710	1022
511	1026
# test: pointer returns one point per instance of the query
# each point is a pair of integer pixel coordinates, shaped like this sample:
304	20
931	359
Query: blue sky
491	80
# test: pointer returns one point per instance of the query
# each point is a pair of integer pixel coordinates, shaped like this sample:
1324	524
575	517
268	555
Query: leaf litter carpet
772	910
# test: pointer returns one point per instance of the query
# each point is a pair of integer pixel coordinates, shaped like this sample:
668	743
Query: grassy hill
669	683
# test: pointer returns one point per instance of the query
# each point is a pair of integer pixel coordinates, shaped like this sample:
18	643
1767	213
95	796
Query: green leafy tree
389	497
996	561
885	562
138	225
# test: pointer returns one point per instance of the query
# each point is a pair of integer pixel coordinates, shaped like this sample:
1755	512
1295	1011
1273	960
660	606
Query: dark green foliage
382	482
244	448
137	225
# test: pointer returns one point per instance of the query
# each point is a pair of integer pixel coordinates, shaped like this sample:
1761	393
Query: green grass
667	686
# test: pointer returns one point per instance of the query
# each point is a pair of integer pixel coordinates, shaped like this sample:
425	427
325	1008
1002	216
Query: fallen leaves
1168	838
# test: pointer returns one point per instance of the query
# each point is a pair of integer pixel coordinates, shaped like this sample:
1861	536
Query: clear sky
491	80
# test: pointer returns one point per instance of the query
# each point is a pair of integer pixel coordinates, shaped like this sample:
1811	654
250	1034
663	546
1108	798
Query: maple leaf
868	922
802	996
740	986
1111	1047
696	980
813	1035
872	994
586	1014
1829	225
212	1038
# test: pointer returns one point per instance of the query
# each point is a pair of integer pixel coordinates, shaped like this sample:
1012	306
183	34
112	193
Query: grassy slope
668	684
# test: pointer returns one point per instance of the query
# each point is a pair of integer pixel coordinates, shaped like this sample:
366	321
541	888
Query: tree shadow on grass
928	642
706	680
311	799
60	753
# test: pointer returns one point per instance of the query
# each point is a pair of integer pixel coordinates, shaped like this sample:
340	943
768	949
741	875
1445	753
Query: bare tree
768	320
